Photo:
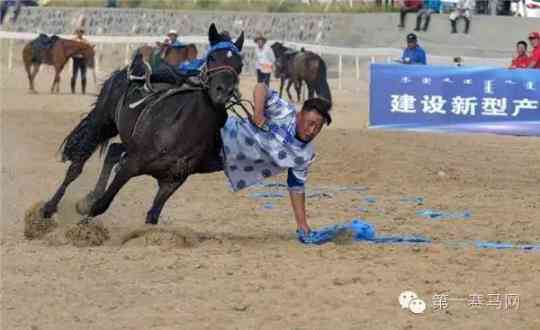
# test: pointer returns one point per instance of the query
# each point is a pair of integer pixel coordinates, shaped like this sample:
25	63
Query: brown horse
57	56
301	66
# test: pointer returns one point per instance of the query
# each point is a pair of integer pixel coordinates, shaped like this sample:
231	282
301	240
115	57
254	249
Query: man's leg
428	18
266	79
75	73
402	13
16	11
259	76
467	19
419	19
3	11
83	75
453	17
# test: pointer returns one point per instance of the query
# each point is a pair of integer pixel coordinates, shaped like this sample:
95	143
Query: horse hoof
87	233
84	205
32	91
36	225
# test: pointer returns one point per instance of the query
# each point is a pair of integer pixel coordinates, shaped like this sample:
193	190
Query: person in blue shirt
429	7
413	54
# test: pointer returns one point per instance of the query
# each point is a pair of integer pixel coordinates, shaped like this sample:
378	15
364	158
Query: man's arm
298	200
298	203
259	99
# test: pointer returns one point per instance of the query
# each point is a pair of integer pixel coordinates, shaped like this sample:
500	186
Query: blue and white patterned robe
252	155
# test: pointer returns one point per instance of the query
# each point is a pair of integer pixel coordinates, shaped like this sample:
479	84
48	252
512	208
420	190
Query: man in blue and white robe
279	139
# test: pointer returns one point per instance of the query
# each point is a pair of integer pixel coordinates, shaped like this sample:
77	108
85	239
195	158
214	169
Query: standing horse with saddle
298	66
53	51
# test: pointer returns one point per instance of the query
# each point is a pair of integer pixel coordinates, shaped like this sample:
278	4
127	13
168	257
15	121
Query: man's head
173	36
260	40
79	32
521	47
534	38
412	40
310	120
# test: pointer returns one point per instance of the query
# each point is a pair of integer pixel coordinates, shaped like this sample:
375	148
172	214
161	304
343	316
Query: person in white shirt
264	60
464	9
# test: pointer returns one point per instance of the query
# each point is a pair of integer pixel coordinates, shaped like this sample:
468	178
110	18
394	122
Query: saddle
41	47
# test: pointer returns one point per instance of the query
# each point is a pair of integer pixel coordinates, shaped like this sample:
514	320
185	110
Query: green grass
272	6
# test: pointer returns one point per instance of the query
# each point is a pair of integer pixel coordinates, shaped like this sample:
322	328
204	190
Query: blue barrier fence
455	99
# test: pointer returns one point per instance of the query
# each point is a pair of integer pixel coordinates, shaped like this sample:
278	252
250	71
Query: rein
239	102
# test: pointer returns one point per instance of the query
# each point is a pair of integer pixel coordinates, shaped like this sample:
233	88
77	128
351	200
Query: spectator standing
521	61
464	9
413	54
79	63
429	7
534	60
264	60
4	7
408	6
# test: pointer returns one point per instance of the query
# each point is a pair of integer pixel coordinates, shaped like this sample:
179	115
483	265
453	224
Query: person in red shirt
408	6
534	60
521	61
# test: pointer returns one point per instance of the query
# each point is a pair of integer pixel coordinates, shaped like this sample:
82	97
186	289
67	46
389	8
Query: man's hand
259	120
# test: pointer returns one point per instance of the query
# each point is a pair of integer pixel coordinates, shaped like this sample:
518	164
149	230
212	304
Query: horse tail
95	129
321	83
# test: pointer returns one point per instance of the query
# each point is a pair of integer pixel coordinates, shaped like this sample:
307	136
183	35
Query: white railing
371	54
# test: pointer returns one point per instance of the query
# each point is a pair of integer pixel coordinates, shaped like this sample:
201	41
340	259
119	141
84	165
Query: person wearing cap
172	36
79	63
534	60
275	140
521	61
464	9
413	54
264	60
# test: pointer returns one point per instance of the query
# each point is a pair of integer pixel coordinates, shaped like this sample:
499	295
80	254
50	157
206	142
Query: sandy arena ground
248	271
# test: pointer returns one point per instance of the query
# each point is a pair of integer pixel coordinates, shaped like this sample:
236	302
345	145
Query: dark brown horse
173	136
57	56
299	66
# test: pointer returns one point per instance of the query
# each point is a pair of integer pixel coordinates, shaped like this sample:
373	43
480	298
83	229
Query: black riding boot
73	82
426	23
83	85
418	23
454	26
467	25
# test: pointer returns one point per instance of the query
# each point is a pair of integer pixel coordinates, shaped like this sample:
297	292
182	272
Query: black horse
298	66
170	137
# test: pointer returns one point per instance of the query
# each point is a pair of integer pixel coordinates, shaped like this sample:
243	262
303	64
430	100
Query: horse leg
281	83
114	154
56	82
166	189
298	88
311	91
288	88
126	172
73	172
32	75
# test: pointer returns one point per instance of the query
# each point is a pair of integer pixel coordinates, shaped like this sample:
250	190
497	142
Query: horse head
281	60
223	66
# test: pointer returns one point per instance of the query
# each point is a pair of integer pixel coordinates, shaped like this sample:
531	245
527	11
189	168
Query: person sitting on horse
277	138
79	63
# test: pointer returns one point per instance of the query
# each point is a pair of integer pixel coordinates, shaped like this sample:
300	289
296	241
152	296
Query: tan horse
57	56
